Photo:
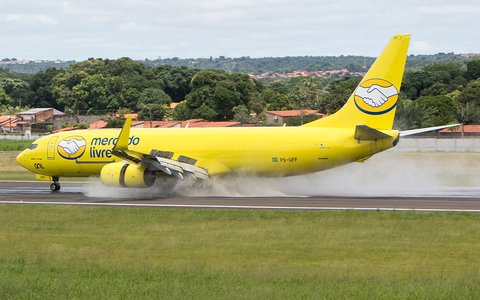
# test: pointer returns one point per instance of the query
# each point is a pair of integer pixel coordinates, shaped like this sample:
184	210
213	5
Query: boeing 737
134	158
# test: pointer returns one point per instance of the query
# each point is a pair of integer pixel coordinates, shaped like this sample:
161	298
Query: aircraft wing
416	131
157	161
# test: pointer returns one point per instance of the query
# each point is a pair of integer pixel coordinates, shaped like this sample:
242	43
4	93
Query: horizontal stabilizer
421	130
365	133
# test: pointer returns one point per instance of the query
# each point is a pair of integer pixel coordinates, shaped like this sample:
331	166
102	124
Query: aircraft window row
33	146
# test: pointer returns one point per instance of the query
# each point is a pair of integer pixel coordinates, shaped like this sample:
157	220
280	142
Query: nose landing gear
55	186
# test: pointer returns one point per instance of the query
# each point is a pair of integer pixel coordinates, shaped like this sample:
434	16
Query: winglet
122	141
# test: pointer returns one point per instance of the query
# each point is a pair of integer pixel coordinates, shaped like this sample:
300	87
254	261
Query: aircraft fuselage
265	151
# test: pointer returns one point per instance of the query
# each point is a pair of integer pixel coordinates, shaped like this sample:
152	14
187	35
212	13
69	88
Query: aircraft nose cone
21	159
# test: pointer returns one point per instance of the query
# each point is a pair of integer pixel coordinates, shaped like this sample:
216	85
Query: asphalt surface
448	199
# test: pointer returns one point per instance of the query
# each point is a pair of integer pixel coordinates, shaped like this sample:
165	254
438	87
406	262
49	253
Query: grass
100	252
14	145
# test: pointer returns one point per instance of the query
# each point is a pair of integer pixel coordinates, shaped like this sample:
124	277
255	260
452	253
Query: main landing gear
55	186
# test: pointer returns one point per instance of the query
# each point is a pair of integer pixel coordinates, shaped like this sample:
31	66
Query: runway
448	199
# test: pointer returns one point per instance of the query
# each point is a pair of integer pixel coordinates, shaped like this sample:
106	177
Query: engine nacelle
127	175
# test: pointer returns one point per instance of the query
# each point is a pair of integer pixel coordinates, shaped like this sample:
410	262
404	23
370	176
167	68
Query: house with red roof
281	116
456	132
9	124
200	123
156	124
69	128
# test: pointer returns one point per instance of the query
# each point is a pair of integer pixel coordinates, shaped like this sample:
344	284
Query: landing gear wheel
55	187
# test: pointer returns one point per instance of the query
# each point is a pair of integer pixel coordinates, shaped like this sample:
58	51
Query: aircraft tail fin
374	100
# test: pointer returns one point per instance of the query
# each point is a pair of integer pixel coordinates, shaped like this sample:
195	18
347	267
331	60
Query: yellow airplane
136	157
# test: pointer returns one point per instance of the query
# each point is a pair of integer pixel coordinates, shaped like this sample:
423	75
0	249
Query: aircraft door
51	147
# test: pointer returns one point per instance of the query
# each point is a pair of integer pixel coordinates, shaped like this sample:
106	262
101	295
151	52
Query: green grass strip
14	145
104	252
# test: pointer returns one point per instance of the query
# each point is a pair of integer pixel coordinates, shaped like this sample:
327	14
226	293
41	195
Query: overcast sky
77	30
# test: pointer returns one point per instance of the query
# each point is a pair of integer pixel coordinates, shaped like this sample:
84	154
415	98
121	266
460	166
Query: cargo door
51	147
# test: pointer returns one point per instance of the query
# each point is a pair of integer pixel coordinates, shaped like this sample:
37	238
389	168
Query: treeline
440	94
268	64
97	86
433	95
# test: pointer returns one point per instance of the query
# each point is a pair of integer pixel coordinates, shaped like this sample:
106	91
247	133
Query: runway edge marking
238	206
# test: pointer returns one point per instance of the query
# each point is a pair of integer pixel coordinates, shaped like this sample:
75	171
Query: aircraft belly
71	168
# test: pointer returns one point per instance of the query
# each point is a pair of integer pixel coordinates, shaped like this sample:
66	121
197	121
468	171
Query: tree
154	96
241	114
5	100
41	92
181	112
103	84
277	101
437	89
333	99
10	85
452	68
469	115
79	125
444	106
277	84
205	112
337	94
175	81
91	94
412	115
305	95
153	112
257	104
414	82
215	93
473	70
115	122
471	93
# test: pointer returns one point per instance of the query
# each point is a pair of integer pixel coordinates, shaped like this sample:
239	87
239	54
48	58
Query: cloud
449	9
192	29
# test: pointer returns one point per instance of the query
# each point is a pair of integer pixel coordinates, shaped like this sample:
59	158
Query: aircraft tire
55	187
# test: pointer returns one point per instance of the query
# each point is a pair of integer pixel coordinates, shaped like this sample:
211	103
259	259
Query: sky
139	29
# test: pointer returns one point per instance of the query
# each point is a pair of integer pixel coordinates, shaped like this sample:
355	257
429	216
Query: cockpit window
32	146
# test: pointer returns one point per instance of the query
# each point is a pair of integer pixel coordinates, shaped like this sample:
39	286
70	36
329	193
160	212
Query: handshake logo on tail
376	96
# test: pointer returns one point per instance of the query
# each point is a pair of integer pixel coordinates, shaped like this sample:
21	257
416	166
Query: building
469	131
35	120
281	116
200	123
9	124
39	115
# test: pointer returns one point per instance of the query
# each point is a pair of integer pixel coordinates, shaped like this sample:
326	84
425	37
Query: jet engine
127	175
